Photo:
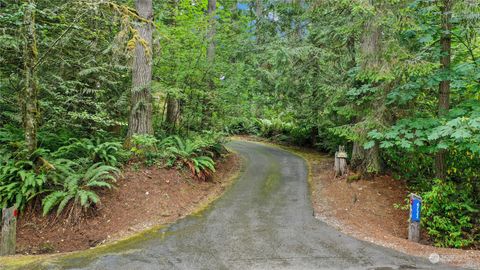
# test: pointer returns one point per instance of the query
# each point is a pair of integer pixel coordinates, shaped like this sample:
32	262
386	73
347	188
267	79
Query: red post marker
15	213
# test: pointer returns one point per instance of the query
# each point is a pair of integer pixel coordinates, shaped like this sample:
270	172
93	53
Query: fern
53	199
79	188
95	150
19	182
201	167
194	154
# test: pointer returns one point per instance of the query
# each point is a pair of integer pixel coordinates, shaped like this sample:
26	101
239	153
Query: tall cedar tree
140	119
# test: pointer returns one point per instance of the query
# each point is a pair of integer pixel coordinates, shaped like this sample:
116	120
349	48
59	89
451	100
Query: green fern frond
53	199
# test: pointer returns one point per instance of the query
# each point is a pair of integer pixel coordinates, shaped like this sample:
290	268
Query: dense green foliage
371	75
196	153
57	177
84	51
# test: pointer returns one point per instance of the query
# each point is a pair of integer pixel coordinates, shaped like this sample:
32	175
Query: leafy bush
449	214
451	205
145	148
195	153
93	150
73	172
241	126
418	173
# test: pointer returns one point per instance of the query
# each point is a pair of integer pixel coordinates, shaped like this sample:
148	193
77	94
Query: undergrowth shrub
193	154
450	214
93	150
418	174
67	178
19	181
273	129
241	126
196	153
145	148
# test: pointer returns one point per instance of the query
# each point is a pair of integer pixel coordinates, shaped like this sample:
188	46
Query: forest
90	86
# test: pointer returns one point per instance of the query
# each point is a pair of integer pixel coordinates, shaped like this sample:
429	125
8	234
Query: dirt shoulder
365	209
144	198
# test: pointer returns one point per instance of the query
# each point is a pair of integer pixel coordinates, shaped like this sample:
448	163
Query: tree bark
140	120
212	7
358	156
444	87
207	100
30	95
373	163
258	17
371	47
358	153
172	112
371	50
172	103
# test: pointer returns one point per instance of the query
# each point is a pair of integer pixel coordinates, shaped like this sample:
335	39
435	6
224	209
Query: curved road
264	221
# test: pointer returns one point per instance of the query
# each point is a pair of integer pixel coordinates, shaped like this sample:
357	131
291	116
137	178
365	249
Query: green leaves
448	210
79	187
191	154
97	151
426	133
57	181
369	145
53	199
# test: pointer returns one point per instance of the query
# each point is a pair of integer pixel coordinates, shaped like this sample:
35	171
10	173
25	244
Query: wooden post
414	221
340	162
9	231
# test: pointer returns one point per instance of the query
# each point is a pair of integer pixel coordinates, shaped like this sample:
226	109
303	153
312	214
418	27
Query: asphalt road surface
264	221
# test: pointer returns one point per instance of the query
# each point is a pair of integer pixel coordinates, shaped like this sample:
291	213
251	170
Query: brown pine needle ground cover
366	210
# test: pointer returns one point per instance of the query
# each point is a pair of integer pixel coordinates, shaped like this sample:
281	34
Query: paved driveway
264	221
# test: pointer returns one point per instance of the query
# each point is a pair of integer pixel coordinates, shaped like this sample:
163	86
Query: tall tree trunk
358	153
358	156
258	17
371	50
140	120
207	109
172	102
30	96
212	7
373	162
314	136
172	112
444	87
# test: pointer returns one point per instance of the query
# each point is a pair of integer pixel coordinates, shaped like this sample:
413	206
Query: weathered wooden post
9	231
341	162
414	222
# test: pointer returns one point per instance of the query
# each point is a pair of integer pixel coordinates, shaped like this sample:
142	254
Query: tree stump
9	231
340	162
